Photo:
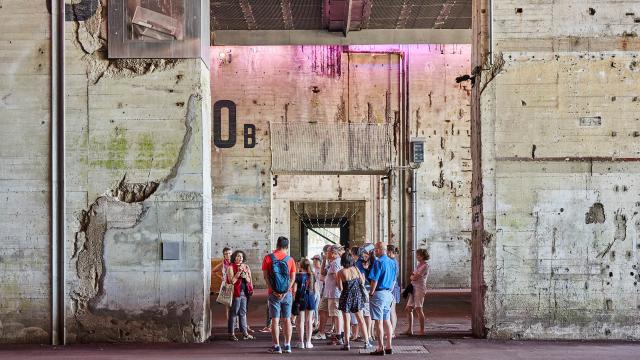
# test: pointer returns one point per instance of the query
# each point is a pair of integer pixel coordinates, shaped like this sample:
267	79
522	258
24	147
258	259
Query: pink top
420	275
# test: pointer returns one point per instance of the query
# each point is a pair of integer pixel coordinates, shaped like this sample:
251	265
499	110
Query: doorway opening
314	239
315	224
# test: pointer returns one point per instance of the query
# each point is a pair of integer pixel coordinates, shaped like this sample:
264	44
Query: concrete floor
441	349
448	312
447	338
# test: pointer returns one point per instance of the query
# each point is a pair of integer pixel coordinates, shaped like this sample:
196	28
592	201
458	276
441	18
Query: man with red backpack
279	271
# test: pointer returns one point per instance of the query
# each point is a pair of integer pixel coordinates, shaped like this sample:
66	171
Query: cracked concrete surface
122	217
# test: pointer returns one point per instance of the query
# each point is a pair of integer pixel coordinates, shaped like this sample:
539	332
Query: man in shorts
382	278
280	302
332	292
322	304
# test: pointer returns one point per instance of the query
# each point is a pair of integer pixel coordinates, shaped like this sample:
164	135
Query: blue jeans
380	305
280	308
238	309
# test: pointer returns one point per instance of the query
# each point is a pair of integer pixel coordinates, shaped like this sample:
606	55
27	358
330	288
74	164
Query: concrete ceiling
339	15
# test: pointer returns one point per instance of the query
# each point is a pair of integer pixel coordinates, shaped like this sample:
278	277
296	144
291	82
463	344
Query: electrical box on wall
417	150
169	29
170	250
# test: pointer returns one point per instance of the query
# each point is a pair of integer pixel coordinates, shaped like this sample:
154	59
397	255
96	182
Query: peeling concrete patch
89	249
132	193
595	215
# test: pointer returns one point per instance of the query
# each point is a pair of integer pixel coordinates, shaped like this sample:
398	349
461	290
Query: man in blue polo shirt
382	277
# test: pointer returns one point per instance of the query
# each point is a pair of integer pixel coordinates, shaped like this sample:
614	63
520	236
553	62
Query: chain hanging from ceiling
315	220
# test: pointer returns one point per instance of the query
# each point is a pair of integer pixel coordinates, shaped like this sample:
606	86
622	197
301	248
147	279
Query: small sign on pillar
417	150
168	29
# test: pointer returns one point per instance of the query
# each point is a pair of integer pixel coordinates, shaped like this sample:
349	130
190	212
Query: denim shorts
280	308
396	294
380	305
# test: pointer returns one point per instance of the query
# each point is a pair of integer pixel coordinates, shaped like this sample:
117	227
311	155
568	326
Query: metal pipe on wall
414	216
407	135
57	206
401	174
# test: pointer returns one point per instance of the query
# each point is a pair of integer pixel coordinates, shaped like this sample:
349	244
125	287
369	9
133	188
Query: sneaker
319	336
300	345
309	345
286	349
368	345
275	349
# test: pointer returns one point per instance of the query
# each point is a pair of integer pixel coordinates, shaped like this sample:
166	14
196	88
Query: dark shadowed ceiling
334	15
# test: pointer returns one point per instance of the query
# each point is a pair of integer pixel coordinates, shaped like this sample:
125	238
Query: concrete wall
322	83
24	172
440	115
560	165
137	136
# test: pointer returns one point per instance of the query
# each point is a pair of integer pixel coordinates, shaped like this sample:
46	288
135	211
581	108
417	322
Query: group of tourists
352	291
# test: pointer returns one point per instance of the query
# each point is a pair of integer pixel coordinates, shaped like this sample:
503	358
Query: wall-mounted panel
158	29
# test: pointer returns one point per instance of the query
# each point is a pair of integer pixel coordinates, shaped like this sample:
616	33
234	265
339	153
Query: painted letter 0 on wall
217	124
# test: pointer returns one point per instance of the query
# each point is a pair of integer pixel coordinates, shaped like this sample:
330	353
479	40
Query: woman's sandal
233	338
247	337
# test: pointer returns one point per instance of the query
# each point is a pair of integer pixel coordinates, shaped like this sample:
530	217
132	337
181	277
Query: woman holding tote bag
239	276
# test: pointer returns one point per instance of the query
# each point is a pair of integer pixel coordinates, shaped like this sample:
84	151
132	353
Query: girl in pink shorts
416	298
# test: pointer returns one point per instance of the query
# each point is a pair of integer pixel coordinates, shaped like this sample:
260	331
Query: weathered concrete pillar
560	162
138	153
138	177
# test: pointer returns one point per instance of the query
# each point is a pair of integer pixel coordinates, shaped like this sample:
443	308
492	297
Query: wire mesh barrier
331	148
